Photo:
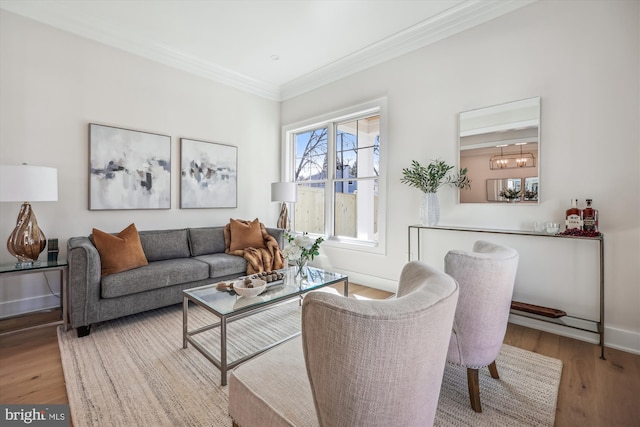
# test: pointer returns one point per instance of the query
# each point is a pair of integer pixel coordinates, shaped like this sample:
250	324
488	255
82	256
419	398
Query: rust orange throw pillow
121	252
245	234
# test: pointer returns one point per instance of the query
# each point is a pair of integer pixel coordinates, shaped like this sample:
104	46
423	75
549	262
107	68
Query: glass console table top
503	231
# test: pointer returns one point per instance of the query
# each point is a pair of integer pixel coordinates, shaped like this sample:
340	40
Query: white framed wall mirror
500	147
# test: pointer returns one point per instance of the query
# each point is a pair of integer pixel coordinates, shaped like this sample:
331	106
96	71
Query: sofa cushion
155	275
120	252
224	264
245	234
159	245
207	240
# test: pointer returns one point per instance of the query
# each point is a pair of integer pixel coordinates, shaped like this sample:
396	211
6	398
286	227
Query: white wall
582	59
53	84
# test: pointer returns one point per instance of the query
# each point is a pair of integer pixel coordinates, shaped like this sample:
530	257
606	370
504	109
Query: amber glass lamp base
27	240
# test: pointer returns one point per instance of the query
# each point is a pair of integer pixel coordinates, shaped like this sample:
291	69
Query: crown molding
68	19
457	19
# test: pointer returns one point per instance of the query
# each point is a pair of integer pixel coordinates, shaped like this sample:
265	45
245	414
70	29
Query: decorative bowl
249	290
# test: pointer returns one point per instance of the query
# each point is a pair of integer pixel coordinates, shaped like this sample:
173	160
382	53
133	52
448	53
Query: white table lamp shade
25	183
284	192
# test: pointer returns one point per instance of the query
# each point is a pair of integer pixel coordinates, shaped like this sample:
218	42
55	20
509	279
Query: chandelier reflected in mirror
512	160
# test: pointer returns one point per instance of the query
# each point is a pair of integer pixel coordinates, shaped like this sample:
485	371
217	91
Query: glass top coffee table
229	307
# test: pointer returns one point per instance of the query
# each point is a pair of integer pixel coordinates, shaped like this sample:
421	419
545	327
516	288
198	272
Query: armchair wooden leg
493	370
474	389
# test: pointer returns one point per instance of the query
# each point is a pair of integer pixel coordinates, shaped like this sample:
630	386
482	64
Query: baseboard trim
621	339
28	305
374	282
618	339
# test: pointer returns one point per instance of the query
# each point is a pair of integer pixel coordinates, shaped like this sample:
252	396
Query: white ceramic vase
429	209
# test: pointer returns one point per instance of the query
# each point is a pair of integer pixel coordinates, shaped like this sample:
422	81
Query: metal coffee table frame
222	363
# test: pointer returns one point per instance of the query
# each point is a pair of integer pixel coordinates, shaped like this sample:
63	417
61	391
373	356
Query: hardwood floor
593	392
30	367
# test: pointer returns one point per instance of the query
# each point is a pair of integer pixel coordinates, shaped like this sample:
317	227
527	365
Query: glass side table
7	270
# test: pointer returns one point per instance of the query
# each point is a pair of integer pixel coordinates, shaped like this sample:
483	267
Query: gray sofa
177	260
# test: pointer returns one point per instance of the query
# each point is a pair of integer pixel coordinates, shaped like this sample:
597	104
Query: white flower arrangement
301	248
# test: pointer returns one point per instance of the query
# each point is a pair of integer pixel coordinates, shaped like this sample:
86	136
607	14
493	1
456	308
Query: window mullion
331	177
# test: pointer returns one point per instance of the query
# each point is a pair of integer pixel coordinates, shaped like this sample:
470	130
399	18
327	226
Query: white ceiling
235	41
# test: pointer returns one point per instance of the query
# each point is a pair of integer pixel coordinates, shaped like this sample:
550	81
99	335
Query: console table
8	270
568	321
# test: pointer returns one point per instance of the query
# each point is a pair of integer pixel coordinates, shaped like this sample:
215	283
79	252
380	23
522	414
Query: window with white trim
336	162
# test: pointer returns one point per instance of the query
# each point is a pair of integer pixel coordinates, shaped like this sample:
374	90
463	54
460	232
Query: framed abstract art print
208	175
128	169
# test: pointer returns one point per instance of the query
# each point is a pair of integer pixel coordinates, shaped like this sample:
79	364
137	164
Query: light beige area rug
134	372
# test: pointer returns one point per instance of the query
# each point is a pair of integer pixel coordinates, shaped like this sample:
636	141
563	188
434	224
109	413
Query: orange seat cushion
245	234
120	252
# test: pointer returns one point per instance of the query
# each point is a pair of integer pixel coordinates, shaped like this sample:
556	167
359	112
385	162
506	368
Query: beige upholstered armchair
486	277
358	362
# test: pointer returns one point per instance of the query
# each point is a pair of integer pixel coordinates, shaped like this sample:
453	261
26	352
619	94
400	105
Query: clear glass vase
301	268
429	209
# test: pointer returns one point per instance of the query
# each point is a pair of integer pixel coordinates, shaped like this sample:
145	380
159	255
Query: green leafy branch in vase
430	178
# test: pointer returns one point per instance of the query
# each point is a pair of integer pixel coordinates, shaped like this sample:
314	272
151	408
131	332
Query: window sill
355	245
